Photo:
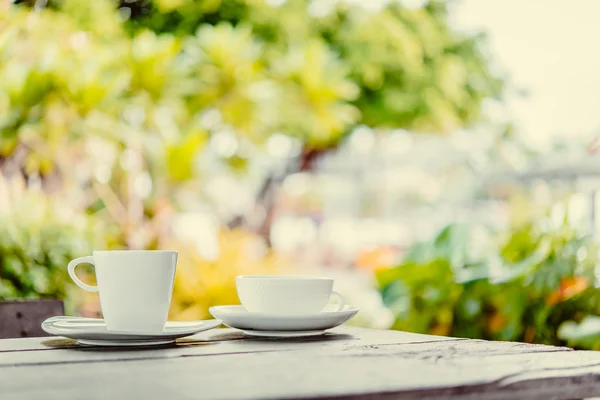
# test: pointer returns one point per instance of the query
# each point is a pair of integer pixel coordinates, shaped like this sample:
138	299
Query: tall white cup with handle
135	287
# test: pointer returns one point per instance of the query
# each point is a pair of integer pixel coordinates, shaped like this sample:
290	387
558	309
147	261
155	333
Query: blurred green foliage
38	238
305	68
533	283
404	67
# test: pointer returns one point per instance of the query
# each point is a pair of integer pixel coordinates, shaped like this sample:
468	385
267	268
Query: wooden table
346	363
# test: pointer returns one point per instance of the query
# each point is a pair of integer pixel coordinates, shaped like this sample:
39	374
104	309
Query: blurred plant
83	107
315	70
520	285
412	72
73	78
38	238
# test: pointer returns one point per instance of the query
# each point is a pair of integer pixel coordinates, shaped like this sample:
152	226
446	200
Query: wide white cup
286	295
135	287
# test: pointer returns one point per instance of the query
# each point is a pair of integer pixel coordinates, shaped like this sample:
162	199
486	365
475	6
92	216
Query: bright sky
550	48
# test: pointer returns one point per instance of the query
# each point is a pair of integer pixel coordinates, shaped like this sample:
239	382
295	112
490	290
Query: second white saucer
237	317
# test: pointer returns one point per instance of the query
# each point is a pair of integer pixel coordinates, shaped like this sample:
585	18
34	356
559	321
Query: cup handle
71	269
339	300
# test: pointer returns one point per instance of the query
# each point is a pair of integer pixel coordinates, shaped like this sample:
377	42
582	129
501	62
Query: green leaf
585	334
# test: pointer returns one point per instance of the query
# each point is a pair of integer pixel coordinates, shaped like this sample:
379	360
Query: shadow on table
328	337
72	344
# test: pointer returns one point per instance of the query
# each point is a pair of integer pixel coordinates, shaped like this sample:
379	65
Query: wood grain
357	364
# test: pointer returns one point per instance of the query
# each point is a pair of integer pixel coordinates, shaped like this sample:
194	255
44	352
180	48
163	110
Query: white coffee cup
135	287
286	295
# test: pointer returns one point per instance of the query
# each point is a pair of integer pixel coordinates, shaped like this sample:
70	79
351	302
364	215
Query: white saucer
92	331
237	317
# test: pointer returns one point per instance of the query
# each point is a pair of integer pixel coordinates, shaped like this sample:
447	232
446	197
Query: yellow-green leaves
181	156
152	62
226	63
316	93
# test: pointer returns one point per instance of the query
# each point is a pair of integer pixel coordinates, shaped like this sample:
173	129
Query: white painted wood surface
346	363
